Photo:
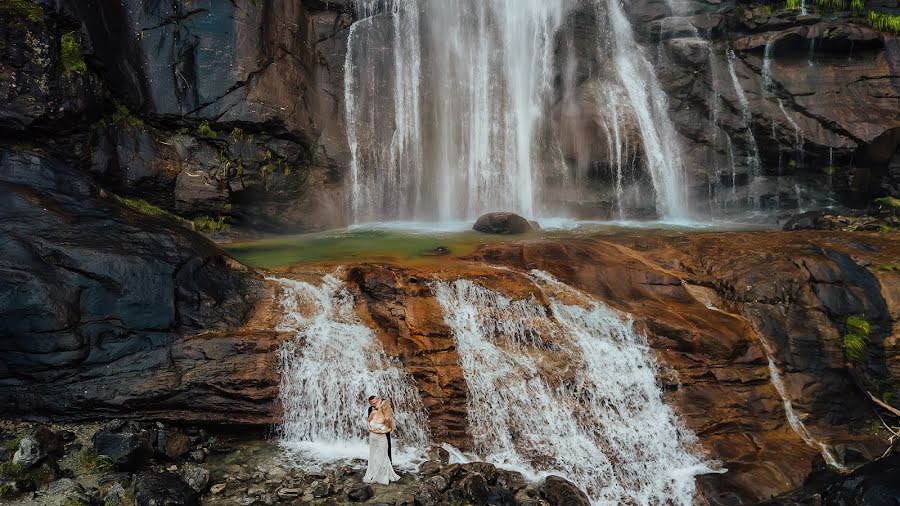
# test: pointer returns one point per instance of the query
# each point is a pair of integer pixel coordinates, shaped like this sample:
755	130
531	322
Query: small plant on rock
211	225
885	22
204	130
71	56
856	340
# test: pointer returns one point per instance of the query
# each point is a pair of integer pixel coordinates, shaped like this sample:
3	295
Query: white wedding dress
380	469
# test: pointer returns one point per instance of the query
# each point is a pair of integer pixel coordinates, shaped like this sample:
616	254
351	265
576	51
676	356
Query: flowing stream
447	105
560	383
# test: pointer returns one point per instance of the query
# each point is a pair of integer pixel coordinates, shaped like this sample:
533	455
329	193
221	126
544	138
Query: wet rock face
821	115
98	288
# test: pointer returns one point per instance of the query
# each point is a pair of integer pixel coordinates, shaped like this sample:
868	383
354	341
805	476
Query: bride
381	423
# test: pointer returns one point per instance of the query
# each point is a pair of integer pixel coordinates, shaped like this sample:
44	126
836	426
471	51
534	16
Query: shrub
204	130
856	340
72	59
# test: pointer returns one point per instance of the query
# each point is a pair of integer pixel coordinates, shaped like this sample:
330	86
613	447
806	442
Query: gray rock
321	488
197	477
437	482
115	495
36	446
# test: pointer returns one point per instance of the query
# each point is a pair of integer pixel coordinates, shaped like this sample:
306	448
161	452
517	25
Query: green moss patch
72	59
22	10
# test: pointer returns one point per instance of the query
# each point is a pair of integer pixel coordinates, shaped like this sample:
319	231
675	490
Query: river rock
197	477
561	492
129	450
360	493
162	489
172	444
36	446
502	223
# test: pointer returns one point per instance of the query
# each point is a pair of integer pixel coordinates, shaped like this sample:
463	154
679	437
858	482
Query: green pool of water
417	242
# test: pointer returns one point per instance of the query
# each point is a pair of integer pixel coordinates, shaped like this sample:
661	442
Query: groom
374	402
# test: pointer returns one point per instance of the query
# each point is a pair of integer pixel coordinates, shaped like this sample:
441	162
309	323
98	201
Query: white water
456	135
648	103
328	372
565	385
746	115
447	106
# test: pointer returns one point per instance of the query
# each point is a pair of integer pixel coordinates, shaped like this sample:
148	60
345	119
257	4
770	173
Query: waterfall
746	115
328	370
456	136
447	109
649	103
561	383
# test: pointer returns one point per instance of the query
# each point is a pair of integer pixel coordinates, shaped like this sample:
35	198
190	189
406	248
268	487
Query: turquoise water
423	242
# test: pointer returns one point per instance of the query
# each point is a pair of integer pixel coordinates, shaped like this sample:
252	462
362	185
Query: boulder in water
503	223
562	492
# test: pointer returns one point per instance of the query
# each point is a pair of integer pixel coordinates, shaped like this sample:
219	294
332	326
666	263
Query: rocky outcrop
96	292
806	101
228	112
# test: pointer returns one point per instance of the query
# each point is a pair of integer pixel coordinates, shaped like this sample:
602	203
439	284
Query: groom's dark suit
390	458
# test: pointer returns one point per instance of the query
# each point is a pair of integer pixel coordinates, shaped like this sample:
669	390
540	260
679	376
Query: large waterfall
448	108
568	387
328	371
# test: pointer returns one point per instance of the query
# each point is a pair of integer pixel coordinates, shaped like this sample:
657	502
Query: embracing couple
381	424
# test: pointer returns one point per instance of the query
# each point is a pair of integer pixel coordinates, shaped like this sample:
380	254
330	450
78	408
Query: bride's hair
387	410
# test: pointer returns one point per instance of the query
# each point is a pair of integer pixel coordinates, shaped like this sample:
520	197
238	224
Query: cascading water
746	115
456	137
447	108
328	370
568	387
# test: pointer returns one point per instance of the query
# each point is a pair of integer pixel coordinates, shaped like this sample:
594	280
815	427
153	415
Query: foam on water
328	370
565	385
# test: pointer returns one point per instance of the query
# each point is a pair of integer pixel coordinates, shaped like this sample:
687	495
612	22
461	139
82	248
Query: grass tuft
884	22
211	225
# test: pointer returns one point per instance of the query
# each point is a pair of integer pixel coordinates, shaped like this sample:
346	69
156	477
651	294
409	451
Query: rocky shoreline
154	464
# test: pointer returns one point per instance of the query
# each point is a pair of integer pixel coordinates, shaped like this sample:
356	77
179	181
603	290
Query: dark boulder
561	492
172	444
128	450
360	493
875	484
502	223
162	489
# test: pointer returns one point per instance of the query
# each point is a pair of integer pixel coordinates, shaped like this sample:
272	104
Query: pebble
218	488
